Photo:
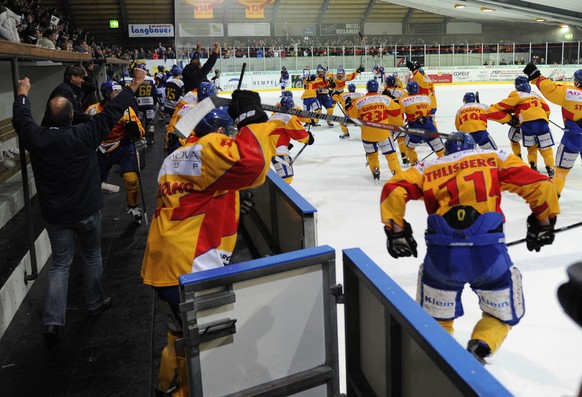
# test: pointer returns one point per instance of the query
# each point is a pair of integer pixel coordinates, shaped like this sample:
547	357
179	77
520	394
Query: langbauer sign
151	30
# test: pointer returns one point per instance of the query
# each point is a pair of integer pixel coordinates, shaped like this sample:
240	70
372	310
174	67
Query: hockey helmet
341	70
215	121
372	86
522	84
578	78
287	102
469	97
141	63
412	87
176	71
390	81
205	90
161	68
283	69
287	93
108	87
351	87
376	67
458	141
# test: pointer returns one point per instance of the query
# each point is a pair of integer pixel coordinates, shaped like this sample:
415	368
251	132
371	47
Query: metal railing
351	57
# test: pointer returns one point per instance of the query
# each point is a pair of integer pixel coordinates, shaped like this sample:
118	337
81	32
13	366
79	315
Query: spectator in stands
80	46
194	73
8	23
71	89
69	191
89	87
48	40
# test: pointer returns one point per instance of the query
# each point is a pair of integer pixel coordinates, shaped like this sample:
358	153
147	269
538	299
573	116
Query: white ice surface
542	355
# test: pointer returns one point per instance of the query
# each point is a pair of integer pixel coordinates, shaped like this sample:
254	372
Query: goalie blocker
194	115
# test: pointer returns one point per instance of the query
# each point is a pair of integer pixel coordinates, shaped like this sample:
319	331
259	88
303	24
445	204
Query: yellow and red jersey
311	87
187	101
472	117
118	132
568	97
344	95
379	109
425	87
288	127
340	82
526	106
396	92
473	178
416	106
194	227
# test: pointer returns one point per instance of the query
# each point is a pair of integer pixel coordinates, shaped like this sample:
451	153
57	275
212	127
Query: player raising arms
570	99
352	94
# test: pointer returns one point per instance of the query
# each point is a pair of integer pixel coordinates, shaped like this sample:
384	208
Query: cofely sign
151	30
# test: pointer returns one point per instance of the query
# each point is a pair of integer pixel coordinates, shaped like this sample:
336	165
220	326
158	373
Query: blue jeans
63	238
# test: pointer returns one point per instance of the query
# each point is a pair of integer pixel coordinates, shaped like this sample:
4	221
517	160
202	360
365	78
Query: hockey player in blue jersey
174	92
284	80
147	99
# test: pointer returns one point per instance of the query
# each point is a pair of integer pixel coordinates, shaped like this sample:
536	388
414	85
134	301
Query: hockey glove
133	130
348	103
360	69
312	77
532	71
420	120
402	243
245	108
514	122
246	201
332	84
311	138
539	235
411	66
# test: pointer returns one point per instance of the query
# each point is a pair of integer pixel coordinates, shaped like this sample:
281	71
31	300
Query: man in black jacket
193	74
71	89
66	175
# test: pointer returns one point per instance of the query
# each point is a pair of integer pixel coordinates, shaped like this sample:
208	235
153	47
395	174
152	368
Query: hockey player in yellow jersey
118	147
464	236
352	94
194	227
310	102
380	109
417	108
425	86
289	127
471	118
532	112
393	91
340	80
570	99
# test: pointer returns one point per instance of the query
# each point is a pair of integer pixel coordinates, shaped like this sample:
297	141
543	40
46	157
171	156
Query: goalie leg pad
503	297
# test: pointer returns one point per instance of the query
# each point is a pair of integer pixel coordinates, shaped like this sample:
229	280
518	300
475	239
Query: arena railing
350	57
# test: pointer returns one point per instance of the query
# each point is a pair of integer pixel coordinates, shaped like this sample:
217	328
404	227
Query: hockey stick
362	40
477	97
556	124
560	229
303	148
242	73
138	172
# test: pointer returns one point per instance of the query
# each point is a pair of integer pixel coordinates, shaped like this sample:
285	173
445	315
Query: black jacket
193	77
75	95
64	161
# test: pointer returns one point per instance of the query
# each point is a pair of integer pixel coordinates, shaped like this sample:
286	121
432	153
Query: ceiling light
538	19
459	6
487	9
564	25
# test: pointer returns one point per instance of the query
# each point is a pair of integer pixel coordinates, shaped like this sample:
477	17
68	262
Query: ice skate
376	175
550	172
344	136
480	350
329	124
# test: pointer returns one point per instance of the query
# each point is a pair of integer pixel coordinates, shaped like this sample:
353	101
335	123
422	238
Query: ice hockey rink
541	355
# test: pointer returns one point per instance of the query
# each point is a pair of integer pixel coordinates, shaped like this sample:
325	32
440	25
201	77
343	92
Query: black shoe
479	349
51	334
106	304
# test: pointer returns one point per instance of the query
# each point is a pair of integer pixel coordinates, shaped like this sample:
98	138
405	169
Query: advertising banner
339	28
151	30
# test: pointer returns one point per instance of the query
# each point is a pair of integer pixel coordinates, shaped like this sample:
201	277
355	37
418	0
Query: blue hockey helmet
376	67
459	141
412	87
351	87
372	86
469	97
161	68
341	70
283	69
108	87
214	121
287	102
522	84
176	71
205	90
390	81
287	93
578	78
